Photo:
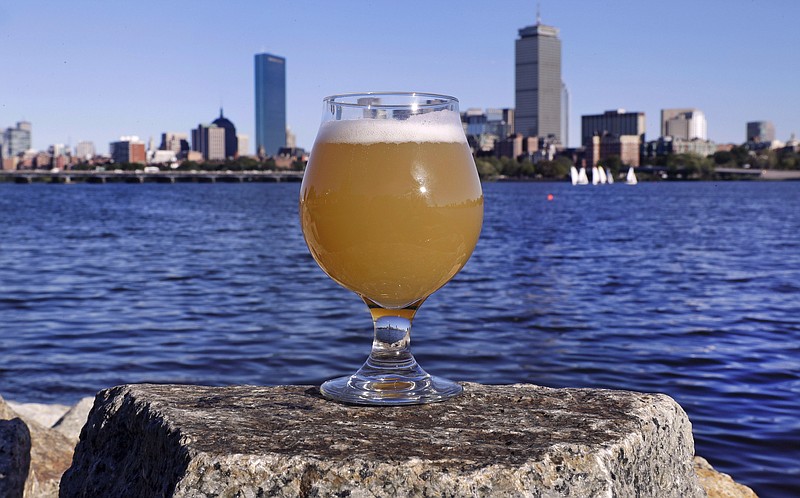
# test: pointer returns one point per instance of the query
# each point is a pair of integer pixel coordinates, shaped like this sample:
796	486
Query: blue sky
95	70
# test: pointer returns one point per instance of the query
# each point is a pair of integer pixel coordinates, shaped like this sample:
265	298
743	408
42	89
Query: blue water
691	289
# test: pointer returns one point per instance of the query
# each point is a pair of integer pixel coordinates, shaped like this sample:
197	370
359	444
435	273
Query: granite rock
170	440
15	457
717	484
50	456
43	414
71	423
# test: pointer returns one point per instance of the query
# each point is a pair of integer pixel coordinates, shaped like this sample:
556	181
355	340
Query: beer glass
391	208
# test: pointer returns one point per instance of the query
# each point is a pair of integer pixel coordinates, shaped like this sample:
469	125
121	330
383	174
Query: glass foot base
389	390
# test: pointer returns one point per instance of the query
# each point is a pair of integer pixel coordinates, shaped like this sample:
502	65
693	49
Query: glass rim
442	100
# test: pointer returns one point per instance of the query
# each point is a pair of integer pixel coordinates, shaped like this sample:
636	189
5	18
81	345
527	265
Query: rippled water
692	289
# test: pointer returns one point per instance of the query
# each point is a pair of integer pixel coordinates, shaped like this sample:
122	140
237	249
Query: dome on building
231	142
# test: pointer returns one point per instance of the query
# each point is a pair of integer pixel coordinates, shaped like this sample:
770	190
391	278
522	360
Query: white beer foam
439	126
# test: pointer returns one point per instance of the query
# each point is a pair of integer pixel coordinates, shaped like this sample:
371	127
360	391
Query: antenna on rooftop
538	13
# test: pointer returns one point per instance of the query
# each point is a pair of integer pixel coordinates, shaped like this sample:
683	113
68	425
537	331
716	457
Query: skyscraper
16	140
538	85
231	142
270	103
209	140
686	124
760	131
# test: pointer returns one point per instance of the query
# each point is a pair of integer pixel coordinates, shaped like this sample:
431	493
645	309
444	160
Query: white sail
609	176
631	178
595	176
582	178
573	174
602	173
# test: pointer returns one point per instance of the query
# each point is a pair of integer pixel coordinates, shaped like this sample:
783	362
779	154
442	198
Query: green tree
486	170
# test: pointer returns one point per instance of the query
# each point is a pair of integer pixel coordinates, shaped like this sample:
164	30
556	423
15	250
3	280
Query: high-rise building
84	150
538	84
176	142
209	140
616	123
243	142
760	131
685	124
16	140
128	149
564	115
231	142
270	103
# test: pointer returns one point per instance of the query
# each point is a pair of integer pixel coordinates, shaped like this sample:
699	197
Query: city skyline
96	74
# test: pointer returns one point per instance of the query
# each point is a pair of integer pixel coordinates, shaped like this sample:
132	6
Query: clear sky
95	70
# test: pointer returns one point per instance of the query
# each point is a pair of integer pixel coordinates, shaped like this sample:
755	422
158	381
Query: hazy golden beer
391	213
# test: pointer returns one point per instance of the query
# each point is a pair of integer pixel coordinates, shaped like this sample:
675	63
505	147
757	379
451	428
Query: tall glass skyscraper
538	85
270	103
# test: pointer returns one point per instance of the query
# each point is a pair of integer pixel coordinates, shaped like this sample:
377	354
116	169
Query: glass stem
391	344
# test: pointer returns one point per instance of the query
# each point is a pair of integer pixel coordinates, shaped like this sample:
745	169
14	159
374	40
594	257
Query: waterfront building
515	146
617	122
601	147
16	140
128	149
231	141
209	141
498	122
564	115
291	138
538	85
84	150
161	157
243	142
175	142
674	145
42	160
56	150
270	98
760	131
685	124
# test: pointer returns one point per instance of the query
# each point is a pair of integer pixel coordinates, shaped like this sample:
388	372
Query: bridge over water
138	176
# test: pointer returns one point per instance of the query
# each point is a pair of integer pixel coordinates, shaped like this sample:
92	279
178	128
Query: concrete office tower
686	124
209	140
231	142
270	103
538	85
760	131
84	150
243	142
615	123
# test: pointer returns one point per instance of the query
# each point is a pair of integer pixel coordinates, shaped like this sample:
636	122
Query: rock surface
15	457
41	413
717	484
161	440
71	423
50	456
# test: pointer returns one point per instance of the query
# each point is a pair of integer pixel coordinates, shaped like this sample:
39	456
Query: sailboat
595	176
609	176
631	178
602	173
582	178
573	174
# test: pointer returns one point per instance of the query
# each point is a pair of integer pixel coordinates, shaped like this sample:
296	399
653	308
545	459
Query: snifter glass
391	208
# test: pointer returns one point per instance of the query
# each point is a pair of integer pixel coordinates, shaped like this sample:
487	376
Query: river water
690	289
